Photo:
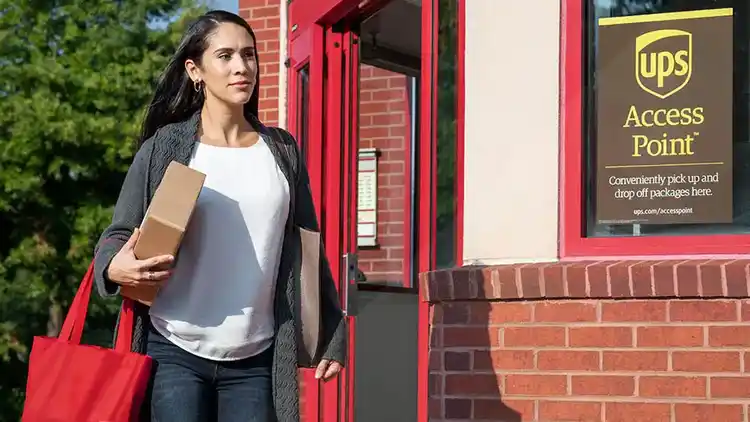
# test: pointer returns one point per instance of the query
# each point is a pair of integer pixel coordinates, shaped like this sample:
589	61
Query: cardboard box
166	220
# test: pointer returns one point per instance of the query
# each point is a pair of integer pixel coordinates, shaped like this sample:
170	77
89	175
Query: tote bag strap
72	329
124	339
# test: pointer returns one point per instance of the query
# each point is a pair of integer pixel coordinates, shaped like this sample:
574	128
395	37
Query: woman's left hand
327	369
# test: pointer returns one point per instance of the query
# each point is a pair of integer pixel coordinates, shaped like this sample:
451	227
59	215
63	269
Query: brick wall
647	357
263	17
385	124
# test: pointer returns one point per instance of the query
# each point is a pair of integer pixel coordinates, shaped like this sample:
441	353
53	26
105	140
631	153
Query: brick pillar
612	341
263	17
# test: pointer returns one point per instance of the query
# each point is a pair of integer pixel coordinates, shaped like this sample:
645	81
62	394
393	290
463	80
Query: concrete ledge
624	279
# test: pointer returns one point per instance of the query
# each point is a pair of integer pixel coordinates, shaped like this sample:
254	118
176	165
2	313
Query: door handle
349	284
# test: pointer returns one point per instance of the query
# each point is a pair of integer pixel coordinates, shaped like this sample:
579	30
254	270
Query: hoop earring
197	86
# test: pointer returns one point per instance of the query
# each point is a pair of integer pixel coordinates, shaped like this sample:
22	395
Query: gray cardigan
175	142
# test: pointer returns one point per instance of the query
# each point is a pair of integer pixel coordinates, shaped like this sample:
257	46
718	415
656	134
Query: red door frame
310	26
332	167
350	86
305	51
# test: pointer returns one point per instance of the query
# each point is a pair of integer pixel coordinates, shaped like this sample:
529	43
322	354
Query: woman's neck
225	126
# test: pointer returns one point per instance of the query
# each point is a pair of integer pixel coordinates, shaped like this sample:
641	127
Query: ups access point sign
664	118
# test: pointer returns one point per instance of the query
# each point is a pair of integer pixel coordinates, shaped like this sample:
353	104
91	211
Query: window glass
666	117
388	119
446	134
304	107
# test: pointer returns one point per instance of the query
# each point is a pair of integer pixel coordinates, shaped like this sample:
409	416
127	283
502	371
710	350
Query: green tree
75	76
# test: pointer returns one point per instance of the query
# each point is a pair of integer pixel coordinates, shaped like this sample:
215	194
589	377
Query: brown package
166	221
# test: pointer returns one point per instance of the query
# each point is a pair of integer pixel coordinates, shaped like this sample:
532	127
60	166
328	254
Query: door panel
357	104
386	349
305	123
380	109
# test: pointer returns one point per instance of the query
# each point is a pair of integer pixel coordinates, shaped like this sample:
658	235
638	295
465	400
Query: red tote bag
71	382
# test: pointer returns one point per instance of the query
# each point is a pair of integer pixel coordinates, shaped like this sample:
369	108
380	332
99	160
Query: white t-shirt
219	302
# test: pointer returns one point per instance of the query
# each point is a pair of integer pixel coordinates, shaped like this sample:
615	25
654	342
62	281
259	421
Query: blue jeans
188	388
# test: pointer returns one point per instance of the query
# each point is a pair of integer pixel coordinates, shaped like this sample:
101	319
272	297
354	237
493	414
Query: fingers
321	369
327	369
157	262
333	369
130	244
153	276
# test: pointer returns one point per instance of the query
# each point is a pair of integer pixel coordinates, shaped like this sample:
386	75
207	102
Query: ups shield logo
663	61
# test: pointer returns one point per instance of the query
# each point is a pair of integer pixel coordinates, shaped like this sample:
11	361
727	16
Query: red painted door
358	103
380	146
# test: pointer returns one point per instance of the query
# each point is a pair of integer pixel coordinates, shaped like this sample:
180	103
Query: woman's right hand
127	270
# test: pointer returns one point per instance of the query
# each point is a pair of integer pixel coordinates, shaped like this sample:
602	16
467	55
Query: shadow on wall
463	381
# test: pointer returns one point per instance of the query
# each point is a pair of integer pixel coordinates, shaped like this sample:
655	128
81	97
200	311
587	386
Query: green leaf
75	77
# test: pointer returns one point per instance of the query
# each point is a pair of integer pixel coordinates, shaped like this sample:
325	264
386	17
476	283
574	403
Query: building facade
535	211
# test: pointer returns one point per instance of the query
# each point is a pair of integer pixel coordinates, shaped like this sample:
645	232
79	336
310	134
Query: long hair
175	98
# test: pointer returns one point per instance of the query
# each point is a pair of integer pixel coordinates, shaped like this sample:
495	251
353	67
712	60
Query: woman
222	329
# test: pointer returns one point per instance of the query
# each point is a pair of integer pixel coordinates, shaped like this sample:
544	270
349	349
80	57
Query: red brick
500	313
730	387
571	360
637	412
667	386
596	275
687	279
455	313
503	360
565	312
664	279
575	276
501	410
457	408
704	412
536	385
435	385
534	336
712	284
435	408
554	284
627	311
436	361
505	277
669	336
737	278
735	336
714	361
436	336
619	280
602	385
467	337
457	361
531	286
635	361
703	310
642	279
472	384
601	336
570	411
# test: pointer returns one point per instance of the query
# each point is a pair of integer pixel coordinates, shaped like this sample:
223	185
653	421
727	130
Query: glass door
368	136
380	215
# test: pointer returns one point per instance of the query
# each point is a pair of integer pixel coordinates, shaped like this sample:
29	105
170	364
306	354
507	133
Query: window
303	117
657	150
447	140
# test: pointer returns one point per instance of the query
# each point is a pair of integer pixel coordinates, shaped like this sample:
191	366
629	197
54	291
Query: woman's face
228	67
